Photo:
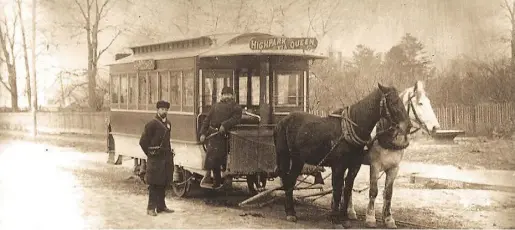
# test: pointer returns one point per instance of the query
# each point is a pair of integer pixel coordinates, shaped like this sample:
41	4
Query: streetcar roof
228	44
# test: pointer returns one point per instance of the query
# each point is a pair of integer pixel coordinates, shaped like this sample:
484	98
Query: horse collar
348	132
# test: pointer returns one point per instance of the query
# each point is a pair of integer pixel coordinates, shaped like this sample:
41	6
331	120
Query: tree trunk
92	84
14	87
91	68
25	54
513	42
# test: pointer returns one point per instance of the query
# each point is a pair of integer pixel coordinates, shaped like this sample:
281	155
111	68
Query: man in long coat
155	143
222	117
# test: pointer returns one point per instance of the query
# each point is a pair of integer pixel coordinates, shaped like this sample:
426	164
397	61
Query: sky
448	28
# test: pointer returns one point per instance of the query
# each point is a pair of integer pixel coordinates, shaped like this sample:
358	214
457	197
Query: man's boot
151	212
165	210
217	179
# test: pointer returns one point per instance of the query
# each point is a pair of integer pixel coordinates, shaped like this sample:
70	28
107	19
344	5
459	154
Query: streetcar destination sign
149	64
283	43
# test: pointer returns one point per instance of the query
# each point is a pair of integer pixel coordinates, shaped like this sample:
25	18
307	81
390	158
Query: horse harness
417	119
349	134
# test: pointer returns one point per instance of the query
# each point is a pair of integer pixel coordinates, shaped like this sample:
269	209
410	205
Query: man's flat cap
163	104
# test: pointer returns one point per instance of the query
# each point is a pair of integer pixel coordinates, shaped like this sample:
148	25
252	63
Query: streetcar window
123	91
115	83
152	81
189	89
208	91
220	83
175	89
255	90
243	89
289	88
142	96
215	80
164	83
133	81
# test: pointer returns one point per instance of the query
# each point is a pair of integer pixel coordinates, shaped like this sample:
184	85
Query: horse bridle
387	113
417	120
347	123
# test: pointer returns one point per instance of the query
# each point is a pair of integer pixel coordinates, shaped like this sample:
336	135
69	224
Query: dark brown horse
333	141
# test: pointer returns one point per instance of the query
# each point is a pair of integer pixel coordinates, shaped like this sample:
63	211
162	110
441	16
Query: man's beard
162	115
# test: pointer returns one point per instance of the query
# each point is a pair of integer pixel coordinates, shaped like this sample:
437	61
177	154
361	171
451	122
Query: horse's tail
282	152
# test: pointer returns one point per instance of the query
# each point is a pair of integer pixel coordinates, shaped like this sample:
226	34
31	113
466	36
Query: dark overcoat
226	113
159	166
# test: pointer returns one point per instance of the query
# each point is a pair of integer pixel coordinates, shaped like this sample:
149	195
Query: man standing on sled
155	143
222	117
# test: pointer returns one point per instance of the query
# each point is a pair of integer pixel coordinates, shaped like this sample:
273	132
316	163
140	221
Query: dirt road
43	186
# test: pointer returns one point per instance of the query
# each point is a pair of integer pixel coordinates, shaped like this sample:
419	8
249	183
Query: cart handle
252	114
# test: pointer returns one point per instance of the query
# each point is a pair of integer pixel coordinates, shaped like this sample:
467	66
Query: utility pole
34	85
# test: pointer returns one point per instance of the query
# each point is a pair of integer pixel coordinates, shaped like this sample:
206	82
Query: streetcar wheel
182	187
251	184
228	182
113	157
256	183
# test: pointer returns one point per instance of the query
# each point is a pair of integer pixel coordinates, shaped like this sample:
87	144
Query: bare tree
93	14
25	53
89	19
7	56
510	10
324	17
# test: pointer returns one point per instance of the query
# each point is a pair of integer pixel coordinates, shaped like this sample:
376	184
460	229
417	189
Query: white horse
385	159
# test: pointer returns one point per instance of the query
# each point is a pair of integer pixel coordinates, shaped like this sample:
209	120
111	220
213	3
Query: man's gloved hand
221	129
202	138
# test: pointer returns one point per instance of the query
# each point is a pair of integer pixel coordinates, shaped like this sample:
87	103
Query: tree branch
100	30
82	9
102	8
72	88
109	45
510	10
4	84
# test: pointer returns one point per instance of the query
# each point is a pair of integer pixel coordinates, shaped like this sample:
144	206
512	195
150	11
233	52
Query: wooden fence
481	119
474	120
92	123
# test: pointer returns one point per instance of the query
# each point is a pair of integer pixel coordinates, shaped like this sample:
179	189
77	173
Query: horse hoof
370	224
370	221
347	224
391	226
390	222
291	218
337	226
352	216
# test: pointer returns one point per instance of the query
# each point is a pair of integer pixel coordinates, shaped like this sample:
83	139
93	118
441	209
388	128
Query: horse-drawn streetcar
269	76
